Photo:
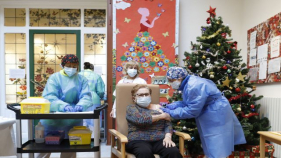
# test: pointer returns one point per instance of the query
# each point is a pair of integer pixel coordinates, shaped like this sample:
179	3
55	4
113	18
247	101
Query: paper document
253	74
274	65
275	47
253	37
253	57
17	73
262	53
262	70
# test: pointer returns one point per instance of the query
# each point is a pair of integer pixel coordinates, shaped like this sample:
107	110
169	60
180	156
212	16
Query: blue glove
68	108
78	108
171	106
165	110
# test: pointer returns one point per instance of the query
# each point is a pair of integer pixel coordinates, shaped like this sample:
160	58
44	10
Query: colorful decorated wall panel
146	31
263	47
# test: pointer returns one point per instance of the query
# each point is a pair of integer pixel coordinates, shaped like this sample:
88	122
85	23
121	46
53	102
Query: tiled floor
105	153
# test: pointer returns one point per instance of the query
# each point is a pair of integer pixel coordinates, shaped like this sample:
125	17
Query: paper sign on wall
262	53
253	57
274	65
17	73
275	47
262	70
253	40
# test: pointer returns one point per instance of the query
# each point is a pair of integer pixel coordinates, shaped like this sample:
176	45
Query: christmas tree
215	56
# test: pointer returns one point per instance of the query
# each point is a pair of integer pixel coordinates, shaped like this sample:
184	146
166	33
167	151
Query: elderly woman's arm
142	118
167	141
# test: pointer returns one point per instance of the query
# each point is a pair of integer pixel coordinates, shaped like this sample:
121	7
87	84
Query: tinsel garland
213	35
249	115
239	96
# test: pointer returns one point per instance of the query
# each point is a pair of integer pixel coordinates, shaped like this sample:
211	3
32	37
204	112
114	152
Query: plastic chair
123	99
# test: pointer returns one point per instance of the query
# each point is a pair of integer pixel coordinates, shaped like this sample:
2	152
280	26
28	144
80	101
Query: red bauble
224	67
187	58
223	35
235	44
190	66
252	106
208	21
228	51
238	89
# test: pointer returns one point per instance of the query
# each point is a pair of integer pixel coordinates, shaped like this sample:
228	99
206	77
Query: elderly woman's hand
166	116
167	142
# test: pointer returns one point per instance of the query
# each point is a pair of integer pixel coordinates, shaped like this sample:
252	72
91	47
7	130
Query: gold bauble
203	57
230	88
179	123
254	88
218	22
218	44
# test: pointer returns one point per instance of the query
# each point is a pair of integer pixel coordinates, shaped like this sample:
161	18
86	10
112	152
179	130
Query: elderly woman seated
149	129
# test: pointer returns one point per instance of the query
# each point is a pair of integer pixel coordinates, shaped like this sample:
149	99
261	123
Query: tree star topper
212	11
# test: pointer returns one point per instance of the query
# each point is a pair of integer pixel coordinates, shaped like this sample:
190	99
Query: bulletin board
146	31
263	47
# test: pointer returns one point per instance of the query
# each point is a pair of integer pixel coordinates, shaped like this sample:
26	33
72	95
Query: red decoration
235	44
238	90
228	51
249	115
224	67
212	11
208	20
239	96
190	66
223	35
187	58
252	106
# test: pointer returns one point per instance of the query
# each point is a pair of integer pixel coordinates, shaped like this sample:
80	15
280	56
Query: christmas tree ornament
201	46
187	58
208	20
238	109
208	50
241	77
192	138
212	74
237	80
254	88
228	71
228	52
230	88
235	44
197	65
184	128
229	75
178	123
190	66
252	106
223	35
253	110
224	67
226	82
203	57
237	89
218	44
212	12
218	22
228	62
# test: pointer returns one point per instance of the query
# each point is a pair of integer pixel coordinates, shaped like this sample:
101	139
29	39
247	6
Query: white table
7	135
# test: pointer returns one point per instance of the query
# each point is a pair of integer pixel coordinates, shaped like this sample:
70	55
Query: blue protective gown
96	86
217	124
62	90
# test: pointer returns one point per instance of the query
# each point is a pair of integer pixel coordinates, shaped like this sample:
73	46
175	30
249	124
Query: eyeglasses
142	94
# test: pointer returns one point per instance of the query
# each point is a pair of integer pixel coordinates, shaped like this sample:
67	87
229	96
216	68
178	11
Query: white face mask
70	71
132	72
144	101
176	84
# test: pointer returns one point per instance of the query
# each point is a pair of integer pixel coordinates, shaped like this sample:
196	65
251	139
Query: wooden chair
123	99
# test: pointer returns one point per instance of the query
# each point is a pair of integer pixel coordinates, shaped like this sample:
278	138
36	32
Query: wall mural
145	32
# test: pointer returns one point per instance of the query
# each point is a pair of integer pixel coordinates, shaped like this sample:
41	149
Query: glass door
47	47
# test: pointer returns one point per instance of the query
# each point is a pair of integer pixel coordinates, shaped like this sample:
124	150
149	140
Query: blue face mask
70	71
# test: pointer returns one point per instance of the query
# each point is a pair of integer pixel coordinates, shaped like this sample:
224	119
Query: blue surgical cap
176	73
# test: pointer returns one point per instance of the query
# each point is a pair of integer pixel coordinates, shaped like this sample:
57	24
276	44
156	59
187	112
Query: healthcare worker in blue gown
217	124
68	92
97	89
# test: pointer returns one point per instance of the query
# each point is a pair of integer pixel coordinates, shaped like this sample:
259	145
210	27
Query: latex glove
68	108
171	106
167	142
78	108
165	110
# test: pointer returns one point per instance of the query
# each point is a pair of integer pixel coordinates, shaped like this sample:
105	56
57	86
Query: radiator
271	108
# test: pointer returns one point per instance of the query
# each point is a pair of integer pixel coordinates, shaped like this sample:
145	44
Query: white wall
255	12
193	15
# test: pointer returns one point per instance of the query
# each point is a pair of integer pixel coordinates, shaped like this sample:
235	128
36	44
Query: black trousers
146	149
